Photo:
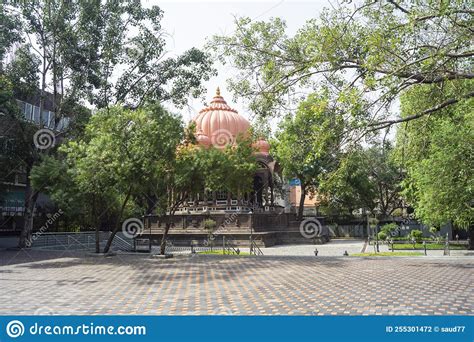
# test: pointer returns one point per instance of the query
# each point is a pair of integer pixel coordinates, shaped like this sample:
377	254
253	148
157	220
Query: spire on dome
218	92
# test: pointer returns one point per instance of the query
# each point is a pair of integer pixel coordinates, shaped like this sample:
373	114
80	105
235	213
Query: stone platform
266	229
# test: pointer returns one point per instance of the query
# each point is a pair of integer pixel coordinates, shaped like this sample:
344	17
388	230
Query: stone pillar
272	197
265	186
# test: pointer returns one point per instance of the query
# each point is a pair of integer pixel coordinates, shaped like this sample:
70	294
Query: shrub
382	235
209	224
397	212
390	229
417	235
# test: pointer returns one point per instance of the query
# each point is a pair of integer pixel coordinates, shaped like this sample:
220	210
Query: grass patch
387	254
430	246
220	252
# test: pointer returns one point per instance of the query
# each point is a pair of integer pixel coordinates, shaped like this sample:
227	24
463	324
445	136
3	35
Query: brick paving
40	282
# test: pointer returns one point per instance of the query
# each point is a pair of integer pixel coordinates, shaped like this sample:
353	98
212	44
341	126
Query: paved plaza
40	282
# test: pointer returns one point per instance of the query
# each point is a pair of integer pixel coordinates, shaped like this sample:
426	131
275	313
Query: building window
221	195
36	114
32	113
28	111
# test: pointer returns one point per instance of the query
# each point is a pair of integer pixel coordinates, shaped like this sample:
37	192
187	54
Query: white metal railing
79	241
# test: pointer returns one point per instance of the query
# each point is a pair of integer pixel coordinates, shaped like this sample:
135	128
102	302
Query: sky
189	23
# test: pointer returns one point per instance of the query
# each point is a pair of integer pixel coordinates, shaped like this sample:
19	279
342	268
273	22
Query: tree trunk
165	236
96	221
471	237
301	204
117	224
30	202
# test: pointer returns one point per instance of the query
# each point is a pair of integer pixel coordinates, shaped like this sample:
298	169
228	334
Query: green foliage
16	136
417	235
365	178
209	224
307	145
429	246
138	158
10	31
438	154
102	53
23	72
109	52
382	235
124	156
367	53
212	169
387	254
390	228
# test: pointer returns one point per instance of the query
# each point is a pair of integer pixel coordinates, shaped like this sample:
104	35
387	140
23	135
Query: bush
390	229
417	235
397	212
382	235
209	224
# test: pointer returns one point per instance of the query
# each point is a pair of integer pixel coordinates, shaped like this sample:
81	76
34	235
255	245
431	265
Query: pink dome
262	146
203	139
221	123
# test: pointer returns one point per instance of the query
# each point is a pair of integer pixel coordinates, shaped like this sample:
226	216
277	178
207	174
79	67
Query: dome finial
218	92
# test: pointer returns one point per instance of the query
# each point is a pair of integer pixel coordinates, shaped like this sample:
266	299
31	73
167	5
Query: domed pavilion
258	218
219	125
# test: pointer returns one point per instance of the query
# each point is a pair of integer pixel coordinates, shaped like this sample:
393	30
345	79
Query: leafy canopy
438	154
366	52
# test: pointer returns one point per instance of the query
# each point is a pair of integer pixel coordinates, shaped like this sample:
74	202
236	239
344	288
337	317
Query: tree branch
384	124
398	6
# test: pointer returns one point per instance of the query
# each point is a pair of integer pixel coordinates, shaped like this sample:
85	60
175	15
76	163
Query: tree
124	153
100	53
307	145
10	33
200	170
18	152
367	55
437	153
366	178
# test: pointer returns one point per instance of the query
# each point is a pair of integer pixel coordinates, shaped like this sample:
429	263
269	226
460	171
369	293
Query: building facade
13	182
